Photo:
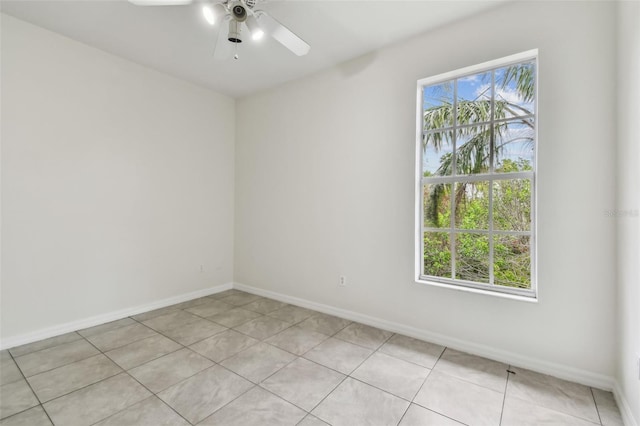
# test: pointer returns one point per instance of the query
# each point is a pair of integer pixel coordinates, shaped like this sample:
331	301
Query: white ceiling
176	39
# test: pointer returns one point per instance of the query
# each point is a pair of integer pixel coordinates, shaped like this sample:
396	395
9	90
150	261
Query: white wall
117	182
628	203
325	187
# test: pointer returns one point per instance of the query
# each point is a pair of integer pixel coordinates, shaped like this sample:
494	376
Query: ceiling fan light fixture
256	32
234	31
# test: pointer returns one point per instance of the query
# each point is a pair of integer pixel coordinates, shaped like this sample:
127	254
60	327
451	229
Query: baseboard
623	405
557	370
67	327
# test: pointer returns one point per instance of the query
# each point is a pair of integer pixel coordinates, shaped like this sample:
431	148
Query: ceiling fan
237	13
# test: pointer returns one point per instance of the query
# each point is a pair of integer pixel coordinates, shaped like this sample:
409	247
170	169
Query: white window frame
530	294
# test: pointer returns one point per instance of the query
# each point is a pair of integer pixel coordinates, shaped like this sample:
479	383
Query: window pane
472	257
437	205
512	261
437	158
512	205
515	90
472	150
472	205
474	99
514	146
437	254
437	105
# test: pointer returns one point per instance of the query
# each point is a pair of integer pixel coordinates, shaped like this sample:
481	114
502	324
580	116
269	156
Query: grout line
425	381
44	349
61	365
153	395
596	404
32	391
504	397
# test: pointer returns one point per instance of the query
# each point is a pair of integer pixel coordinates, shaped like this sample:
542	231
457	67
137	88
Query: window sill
529	299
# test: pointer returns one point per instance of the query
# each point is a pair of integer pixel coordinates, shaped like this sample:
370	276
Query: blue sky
475	87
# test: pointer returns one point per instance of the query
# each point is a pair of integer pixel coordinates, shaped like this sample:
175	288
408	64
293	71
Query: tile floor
239	359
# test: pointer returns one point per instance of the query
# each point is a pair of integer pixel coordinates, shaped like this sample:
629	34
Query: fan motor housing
238	11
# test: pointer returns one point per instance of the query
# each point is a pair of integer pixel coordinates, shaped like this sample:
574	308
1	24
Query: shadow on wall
355	66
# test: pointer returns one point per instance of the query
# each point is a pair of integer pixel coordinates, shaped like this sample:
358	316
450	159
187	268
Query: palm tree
474	130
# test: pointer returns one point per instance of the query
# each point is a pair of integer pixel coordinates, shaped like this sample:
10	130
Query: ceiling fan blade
160	2
223	48
282	34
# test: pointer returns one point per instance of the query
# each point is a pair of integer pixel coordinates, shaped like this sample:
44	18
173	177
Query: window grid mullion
491	171
452	204
480	123
422	230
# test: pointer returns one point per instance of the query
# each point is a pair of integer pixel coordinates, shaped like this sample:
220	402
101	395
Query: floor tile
150	412
363	335
393	375
413	350
9	372
191	333
419	416
607	408
96	402
297	340
212	307
338	355
226	293
103	328
264	306
325	324
555	394
57	356
460	400
201	395
145	316
120	336
192	303
32	417
60	381
224	345
292	314
303	383
521	413
44	344
256	408
239	299
481	371
262	327
310	420
170	369
145	350
234	317
356	400
258	362
170	320
16	397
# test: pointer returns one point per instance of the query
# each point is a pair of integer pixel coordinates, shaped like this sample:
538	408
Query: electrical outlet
343	281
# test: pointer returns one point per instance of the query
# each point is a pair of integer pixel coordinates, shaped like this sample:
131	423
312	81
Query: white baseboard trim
557	370
623	405
67	327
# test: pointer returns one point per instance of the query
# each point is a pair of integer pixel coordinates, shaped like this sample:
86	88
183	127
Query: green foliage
437	254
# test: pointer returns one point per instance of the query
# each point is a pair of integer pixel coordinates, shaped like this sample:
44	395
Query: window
476	162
